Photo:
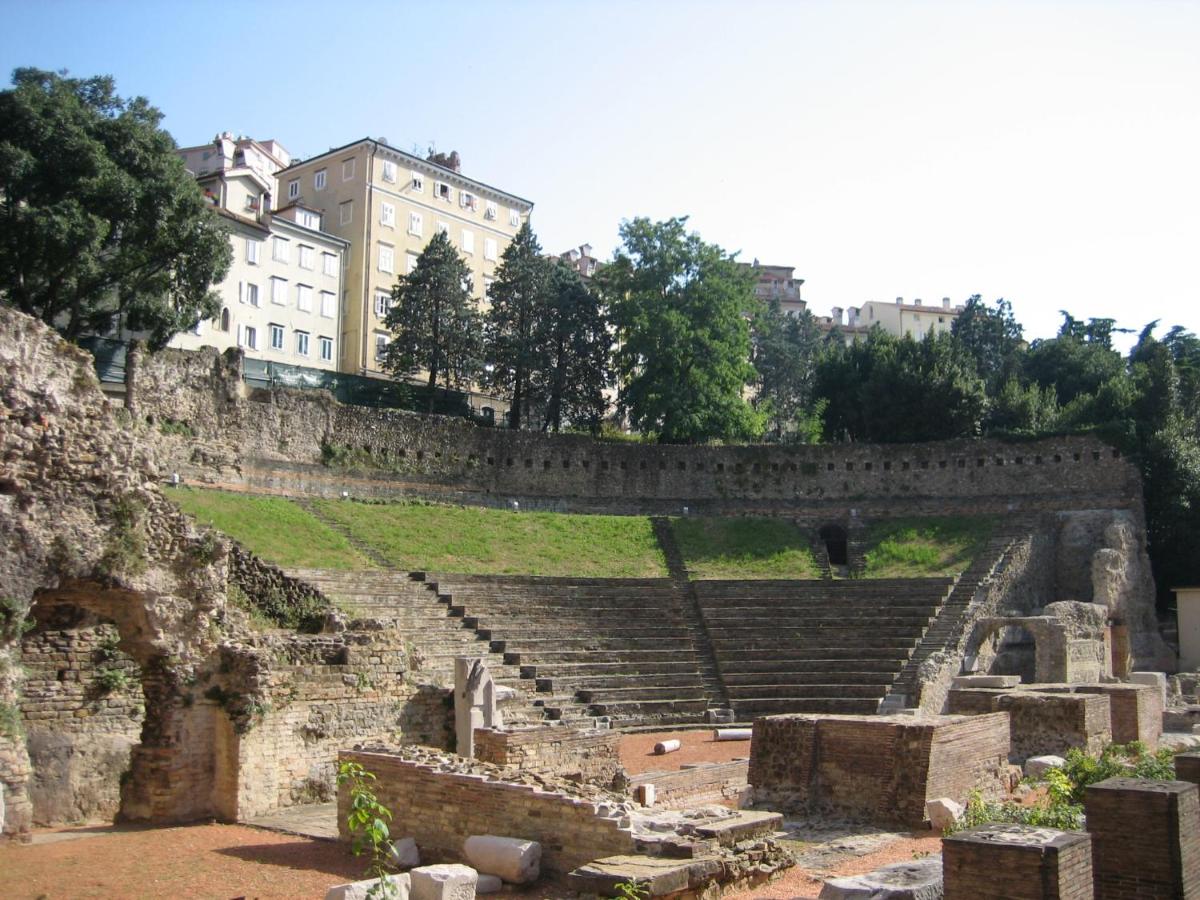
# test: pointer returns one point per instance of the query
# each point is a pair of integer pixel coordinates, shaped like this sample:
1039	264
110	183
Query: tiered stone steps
403	601
623	647
947	626
815	646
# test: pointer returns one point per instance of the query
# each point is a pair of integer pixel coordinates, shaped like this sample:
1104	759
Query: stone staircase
435	637
816	646
624	648
947	626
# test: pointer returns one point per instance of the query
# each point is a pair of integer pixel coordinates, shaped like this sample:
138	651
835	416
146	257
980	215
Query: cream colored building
387	204
901	318
282	295
778	283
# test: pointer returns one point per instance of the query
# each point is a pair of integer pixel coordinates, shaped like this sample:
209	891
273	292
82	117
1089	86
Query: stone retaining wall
879	769
696	785
586	754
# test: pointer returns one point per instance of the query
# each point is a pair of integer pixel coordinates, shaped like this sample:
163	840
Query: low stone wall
879	769
696	785
588	755
1042	723
1000	862
441	808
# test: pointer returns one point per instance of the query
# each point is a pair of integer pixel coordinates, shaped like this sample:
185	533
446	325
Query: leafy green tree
1022	409
435	326
786	349
100	223
681	308
513	346
573	331
1076	362
992	337
890	390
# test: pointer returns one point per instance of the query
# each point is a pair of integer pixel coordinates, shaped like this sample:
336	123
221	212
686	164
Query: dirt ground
224	862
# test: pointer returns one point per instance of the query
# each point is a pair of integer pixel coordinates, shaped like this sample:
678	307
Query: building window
304	298
441	190
387	259
412	262
249	337
302	343
310	220
415	224
444	228
468	241
469	283
383	303
276	333
514	218
347	169
489	249
223	321
487	288
252	294
328	304
294	189
329	264
381	345
489	211
319	180
325	346
389	171
279	249
252	251
279	290
418	182
307	257
387	214
467	201
346	212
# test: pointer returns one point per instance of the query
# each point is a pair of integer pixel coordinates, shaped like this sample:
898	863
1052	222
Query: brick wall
1041	722
440	810
726	783
1037	864
586	754
873	768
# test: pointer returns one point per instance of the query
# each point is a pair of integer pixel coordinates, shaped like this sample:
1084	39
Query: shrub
368	823
1132	760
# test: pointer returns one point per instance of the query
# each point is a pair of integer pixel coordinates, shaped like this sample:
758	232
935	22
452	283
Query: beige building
387	204
282	295
778	283
901	318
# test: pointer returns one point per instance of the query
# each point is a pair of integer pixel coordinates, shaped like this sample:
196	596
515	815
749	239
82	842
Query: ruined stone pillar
1017	862
1146	836
475	702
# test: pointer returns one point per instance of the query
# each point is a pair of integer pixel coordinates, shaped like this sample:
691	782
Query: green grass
744	548
924	548
274	528
472	540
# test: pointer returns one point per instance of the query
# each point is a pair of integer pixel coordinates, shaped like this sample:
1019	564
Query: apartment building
387	204
778	283
581	260
227	152
901	318
282	295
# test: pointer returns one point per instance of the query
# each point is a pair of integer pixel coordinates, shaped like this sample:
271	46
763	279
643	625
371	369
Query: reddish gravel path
637	750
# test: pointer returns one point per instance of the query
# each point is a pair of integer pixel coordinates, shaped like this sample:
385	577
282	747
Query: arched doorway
836	544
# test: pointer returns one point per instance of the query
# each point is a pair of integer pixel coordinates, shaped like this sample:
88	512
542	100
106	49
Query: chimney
836	315
917	302
945	303
899	301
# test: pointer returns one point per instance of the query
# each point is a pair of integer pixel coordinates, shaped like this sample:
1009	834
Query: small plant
363	681
1132	760
13	621
631	890
125	550
10	721
171	426
110	679
368	823
1062	816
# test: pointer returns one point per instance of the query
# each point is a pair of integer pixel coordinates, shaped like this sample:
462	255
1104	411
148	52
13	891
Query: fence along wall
231	430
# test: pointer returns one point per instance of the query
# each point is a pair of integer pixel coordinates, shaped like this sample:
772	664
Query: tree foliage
992	337
681	308
786	350
99	221
572	330
434	322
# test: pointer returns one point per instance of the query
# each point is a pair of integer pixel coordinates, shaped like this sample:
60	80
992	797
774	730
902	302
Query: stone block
489	884
360	890
986	681
918	880
1036	766
449	881
1153	679
942	813
656	875
404	853
1187	767
514	860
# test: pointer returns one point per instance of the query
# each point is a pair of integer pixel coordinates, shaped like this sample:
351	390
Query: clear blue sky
1044	152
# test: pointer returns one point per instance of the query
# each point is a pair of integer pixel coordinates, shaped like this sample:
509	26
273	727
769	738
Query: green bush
1132	760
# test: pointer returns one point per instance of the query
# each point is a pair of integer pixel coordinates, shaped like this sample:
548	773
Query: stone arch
837	543
1004	648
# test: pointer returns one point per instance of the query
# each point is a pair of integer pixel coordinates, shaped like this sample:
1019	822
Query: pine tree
434	323
573	330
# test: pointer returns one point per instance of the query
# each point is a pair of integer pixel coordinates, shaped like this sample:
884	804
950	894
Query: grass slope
744	548
274	528
924	548
472	540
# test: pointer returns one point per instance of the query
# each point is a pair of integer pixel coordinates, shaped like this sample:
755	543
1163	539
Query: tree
99	221
573	330
992	337
517	298
1076	362
786	349
433	319
681	308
